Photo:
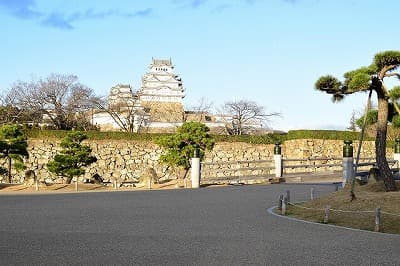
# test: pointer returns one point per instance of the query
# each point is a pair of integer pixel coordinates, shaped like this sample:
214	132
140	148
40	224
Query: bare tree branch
247	116
126	113
199	111
57	98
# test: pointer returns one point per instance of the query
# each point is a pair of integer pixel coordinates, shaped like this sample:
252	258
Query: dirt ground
59	188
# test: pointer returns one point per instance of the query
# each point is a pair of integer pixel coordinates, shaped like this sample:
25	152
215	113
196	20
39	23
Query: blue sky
269	51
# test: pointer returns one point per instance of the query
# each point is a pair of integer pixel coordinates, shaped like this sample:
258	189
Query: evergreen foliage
254	139
353	122
371	78
180	146
372	118
73	158
321	134
13	148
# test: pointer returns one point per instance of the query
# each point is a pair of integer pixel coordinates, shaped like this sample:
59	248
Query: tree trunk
68	180
9	170
380	145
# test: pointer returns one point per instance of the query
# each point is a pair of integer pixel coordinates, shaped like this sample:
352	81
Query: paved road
209	226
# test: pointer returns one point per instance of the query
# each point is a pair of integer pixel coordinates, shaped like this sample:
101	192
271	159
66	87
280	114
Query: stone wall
119	160
164	111
291	149
127	160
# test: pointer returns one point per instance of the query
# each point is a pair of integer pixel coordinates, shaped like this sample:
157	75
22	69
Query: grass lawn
359	213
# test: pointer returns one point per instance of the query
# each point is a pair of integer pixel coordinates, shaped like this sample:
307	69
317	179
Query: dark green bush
324	134
92	135
254	139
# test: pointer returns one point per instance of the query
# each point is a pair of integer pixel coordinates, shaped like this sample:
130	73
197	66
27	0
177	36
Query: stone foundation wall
127	160
164	111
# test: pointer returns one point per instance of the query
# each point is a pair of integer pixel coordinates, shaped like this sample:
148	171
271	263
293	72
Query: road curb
270	211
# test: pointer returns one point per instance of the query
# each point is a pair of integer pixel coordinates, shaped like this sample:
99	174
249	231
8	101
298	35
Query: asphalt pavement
207	226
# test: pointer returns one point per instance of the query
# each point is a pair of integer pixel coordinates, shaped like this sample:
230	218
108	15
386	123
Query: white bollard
278	165
348	170
278	160
195	173
348	163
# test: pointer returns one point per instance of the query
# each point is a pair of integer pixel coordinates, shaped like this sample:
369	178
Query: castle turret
121	95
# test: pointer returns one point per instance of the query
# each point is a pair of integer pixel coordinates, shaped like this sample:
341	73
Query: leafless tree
9	113
126	113
246	116
198	112
58	98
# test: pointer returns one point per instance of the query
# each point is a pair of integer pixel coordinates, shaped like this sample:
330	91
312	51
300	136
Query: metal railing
236	171
245	170
312	165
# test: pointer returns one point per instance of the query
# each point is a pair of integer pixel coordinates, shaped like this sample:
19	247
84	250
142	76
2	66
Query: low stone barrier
126	160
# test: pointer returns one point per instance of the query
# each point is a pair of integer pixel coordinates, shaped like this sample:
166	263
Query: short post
326	217
396	155
284	203
37	184
278	160
115	184
288	195
377	219
347	164
195	174
280	202
149	183
280	199
76	184
238	169
312	193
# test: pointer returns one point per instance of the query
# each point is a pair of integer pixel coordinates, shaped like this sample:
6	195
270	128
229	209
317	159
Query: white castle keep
161	84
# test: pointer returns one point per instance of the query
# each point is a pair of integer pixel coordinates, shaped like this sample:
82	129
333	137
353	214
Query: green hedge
325	134
255	139
258	139
92	135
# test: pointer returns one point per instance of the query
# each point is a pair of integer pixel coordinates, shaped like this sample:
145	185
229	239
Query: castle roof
162	62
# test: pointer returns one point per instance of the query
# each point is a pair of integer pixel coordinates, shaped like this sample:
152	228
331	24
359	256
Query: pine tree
73	158
353	122
180	146
371	79
13	148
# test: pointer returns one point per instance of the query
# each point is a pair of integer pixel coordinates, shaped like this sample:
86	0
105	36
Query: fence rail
236	171
242	170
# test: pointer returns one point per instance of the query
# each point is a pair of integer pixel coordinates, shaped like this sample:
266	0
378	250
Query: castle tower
161	92
121	96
